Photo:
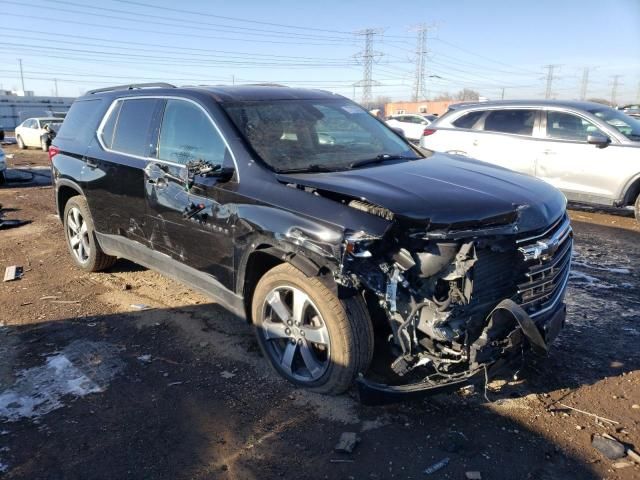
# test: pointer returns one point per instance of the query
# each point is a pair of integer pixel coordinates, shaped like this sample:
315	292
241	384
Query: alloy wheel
78	234
296	336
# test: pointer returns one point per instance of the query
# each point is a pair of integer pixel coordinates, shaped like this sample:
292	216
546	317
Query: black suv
303	214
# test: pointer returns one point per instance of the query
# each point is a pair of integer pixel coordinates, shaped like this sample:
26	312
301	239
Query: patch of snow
80	369
3	467
579	276
226	374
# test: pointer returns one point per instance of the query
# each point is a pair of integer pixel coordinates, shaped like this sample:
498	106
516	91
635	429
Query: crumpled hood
446	191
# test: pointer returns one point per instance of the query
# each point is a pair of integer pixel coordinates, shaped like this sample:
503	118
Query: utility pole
21	74
419	86
55	83
585	83
637	95
502	94
367	56
550	70
614	89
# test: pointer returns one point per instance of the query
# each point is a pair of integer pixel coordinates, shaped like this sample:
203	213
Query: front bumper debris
489	357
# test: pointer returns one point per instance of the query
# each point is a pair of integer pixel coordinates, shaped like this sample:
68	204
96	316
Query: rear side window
468	120
81	121
188	135
566	126
132	127
519	122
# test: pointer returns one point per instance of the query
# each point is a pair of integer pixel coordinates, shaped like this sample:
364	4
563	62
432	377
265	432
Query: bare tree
467	94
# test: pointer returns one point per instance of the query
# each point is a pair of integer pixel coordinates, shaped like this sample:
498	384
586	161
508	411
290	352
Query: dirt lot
91	387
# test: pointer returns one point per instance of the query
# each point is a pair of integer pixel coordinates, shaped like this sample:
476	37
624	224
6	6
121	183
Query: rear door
582	171
191	224
456	137
115	165
29	134
506	137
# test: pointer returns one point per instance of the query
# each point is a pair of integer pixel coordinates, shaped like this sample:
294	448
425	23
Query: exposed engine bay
456	306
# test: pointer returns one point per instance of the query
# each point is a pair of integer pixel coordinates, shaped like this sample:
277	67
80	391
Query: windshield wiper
383	157
315	168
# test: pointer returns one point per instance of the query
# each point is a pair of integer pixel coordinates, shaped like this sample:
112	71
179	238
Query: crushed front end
460	303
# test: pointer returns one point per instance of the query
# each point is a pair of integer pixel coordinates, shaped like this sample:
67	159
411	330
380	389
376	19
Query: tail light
53	151
428	131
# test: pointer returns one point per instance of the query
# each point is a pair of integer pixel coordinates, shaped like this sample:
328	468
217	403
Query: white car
589	151
3	165
30	133
412	125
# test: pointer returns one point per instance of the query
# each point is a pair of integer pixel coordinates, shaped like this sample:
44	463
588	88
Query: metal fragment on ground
13	272
347	442
437	466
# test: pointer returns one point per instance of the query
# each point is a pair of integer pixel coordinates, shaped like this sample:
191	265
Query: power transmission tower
367	56
502	94
614	89
419	86
585	83
55	83
550	70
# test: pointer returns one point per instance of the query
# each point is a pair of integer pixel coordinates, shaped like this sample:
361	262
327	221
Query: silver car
589	151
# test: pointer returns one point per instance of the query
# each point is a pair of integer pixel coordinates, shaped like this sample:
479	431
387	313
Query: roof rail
131	86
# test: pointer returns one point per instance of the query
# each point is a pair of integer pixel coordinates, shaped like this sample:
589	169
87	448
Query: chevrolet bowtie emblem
534	252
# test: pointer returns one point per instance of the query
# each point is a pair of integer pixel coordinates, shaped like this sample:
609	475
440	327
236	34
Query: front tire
44	145
310	336
21	144
81	239
637	209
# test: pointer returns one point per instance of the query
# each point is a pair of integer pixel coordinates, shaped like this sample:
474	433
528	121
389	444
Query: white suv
589	151
412	125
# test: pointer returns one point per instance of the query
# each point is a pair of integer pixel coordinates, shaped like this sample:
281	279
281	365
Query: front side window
518	122
567	126
325	134
625	124
131	134
187	135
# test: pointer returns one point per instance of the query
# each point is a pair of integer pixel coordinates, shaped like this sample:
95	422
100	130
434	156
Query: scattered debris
226	374
7	224
622	464
473	475
633	455
609	447
145	358
66	302
140	306
173	384
341	460
598	417
48	297
347	442
635	406
437	466
203	344
14	272
126	287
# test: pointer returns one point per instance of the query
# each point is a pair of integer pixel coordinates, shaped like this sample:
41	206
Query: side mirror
598	139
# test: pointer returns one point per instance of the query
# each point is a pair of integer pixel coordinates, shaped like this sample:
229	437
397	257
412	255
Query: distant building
14	109
398	108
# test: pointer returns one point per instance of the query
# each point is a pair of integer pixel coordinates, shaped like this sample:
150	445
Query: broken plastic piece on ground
473	475
145	358
347	442
6	224
14	272
437	466
140	306
609	447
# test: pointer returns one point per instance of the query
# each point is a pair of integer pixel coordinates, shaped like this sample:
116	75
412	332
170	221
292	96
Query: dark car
310	218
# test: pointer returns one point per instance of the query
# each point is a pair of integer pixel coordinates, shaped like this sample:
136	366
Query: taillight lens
428	131
53	151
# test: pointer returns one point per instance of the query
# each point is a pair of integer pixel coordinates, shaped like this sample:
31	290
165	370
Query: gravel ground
92	387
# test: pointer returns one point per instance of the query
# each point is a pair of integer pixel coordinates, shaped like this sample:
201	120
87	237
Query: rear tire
21	144
637	209
81	239
3	179
44	145
342	331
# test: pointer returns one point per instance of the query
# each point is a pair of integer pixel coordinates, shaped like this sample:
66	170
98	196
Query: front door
193	225
583	172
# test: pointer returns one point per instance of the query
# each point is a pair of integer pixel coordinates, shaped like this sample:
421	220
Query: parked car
231	191
33	132
589	151
3	166
412	125
633	110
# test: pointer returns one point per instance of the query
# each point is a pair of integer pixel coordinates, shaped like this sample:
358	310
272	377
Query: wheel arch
65	189
631	191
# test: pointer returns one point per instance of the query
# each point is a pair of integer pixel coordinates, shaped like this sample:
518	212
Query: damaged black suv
303	214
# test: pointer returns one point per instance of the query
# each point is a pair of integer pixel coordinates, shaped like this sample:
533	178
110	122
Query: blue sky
484	45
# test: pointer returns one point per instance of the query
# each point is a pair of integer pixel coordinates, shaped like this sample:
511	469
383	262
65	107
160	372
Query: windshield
316	135
628	126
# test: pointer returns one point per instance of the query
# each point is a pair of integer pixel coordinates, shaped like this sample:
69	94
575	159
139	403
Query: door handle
91	162
155	175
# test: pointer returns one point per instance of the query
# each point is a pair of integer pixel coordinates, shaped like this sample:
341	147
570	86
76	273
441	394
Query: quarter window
519	122
110	125
566	126
132	126
468	120
187	135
